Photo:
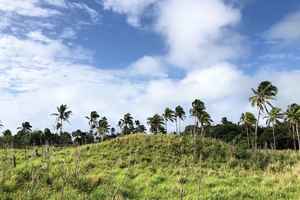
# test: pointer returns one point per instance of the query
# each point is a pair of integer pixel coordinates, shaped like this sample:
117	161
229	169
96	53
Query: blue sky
139	56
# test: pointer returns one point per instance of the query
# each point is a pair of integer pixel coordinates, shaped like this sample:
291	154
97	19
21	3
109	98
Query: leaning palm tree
273	118
180	115
292	116
198	108
261	99
93	117
248	120
62	115
156	124
205	121
168	115
103	127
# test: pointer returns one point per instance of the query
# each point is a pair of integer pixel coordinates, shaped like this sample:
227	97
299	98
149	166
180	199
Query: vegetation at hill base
150	167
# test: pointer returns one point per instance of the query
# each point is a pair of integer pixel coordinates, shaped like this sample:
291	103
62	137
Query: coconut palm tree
168	115
180	116
205	121
261	99
273	118
248	120
156	124
292	116
126	124
93	117
198	108
103	127
25	128
62	115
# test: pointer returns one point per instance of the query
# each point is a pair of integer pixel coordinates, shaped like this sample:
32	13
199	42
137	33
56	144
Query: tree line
281	129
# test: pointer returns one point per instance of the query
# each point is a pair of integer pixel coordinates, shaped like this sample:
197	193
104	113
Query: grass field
150	167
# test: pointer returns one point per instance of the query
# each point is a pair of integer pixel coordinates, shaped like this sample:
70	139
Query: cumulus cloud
287	29
39	72
197	32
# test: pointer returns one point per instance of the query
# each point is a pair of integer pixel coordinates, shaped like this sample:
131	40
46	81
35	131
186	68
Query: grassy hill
150	167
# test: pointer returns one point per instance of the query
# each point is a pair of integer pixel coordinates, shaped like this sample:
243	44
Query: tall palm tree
248	120
273	118
93	117
156	124
292	116
103	127
261	99
126	124
198	108
180	115
62	115
168	115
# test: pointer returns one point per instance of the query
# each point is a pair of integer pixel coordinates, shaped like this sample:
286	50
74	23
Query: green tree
62	115
180	116
156	124
103	127
139	128
93	117
248	121
25	128
261	99
273	118
168	115
292	116
126	124
197	110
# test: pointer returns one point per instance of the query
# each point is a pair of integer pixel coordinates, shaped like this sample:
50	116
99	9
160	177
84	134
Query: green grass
150	167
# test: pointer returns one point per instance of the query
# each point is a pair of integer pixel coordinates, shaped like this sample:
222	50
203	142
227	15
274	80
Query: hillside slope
149	167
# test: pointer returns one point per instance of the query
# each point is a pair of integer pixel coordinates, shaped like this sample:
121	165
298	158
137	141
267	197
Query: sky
141	56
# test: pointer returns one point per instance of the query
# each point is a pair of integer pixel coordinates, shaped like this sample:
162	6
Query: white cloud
26	8
134	9
197	31
287	29
148	66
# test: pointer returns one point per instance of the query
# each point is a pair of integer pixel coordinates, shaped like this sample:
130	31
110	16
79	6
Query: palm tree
261	99
103	127
273	118
140	128
293	118
248	120
168	115
198	108
126	124
180	115
205	121
62	115
1	125
93	120
156	124
25	128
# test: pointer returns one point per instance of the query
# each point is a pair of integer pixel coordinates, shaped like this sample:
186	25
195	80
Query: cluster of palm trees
159	123
262	99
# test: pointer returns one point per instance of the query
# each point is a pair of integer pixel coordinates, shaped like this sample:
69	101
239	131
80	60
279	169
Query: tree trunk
298	137
256	129
248	140
274	139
